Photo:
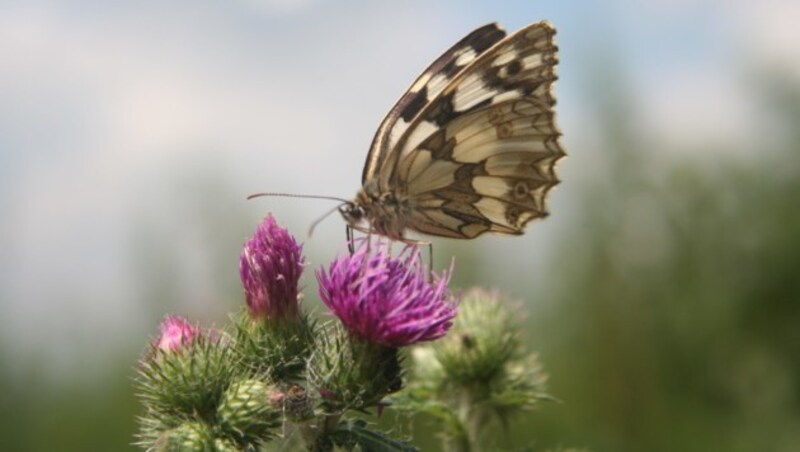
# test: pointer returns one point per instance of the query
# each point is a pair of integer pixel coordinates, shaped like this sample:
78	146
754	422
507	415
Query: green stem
316	434
471	420
460	439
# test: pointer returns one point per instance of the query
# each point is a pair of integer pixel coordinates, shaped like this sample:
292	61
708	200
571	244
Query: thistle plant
280	373
479	373
273	335
383	303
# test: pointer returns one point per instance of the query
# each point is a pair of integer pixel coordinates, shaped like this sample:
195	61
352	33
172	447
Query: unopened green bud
247	411
188	436
350	372
482	342
225	445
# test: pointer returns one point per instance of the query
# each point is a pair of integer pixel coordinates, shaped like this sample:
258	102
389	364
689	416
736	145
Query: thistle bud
248	413
270	267
187	436
175	333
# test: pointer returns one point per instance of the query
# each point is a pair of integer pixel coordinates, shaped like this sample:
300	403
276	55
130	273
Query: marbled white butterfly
471	147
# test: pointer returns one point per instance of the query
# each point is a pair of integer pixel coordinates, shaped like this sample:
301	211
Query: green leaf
352	433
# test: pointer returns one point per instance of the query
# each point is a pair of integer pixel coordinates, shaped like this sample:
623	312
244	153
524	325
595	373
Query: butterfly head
353	213
382	214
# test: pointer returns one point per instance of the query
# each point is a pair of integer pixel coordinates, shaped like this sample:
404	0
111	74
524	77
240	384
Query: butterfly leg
351	239
349	234
425	243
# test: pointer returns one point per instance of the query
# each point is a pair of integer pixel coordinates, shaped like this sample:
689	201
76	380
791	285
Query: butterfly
471	147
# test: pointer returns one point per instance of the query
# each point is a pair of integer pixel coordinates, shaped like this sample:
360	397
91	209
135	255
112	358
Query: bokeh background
662	293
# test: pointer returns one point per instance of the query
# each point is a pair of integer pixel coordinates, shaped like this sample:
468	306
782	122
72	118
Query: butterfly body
381	213
472	145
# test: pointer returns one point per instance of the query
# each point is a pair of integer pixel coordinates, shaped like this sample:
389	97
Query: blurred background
662	293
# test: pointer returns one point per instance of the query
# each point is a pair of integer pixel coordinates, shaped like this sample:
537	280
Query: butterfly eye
352	213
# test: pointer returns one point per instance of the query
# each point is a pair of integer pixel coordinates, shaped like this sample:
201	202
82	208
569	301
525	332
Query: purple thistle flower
387	300
270	267
176	332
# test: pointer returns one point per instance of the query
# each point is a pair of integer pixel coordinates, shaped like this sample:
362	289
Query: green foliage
354	435
181	391
481	343
275	351
181	385
200	393
187	436
352	374
678	310
247	412
479	373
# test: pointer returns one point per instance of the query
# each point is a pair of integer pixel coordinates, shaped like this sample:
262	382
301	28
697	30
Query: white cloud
707	100
768	32
764	30
691	107
280	6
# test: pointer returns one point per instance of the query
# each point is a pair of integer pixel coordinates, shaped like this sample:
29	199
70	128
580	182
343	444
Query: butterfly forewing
478	153
427	86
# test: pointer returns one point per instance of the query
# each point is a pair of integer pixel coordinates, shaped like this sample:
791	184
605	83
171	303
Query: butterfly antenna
291	195
318	220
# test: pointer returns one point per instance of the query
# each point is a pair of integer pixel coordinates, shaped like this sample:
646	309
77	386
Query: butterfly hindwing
489	165
490	171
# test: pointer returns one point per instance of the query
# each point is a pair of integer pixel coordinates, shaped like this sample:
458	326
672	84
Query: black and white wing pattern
426	87
472	146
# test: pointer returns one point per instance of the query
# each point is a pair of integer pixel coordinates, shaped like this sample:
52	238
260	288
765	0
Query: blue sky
107	108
